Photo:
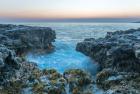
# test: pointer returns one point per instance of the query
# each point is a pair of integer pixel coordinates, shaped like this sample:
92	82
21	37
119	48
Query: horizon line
132	19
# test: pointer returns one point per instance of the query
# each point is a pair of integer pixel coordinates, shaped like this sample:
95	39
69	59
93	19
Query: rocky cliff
26	38
119	57
14	41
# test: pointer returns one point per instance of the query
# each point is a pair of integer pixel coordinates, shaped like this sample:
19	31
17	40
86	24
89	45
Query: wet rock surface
118	56
14	71
19	76
79	81
15	40
52	82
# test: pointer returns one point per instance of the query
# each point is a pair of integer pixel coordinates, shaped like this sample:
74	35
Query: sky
70	10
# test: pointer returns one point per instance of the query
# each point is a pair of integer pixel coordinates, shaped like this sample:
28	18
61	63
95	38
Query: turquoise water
64	57
68	34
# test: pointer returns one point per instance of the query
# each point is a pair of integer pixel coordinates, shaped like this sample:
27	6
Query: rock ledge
119	57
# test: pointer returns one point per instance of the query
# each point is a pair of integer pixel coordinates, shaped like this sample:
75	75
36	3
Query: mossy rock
77	75
55	76
75	72
77	80
52	74
14	88
102	76
38	87
76	90
53	82
50	71
36	74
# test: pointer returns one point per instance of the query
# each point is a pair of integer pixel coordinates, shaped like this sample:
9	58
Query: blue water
68	35
64	57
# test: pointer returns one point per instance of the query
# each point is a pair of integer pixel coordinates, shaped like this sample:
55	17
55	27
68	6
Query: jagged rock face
8	57
25	38
16	40
11	66
15	71
124	59
119	57
118	50
118	82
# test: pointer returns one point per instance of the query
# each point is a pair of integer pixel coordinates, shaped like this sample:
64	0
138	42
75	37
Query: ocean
67	36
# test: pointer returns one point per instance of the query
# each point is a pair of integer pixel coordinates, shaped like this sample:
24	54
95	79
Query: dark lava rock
19	76
124	59
119	57
118	50
27	38
15	70
8	57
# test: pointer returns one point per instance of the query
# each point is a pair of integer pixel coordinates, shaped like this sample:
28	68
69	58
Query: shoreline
20	76
118	55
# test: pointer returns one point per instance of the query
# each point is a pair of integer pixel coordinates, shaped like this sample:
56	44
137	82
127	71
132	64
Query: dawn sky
46	9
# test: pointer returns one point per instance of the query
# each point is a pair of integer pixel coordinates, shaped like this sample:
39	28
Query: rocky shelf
19	76
119	57
26	38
